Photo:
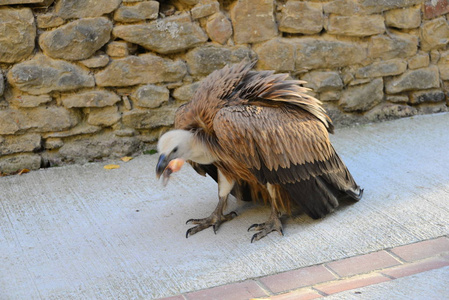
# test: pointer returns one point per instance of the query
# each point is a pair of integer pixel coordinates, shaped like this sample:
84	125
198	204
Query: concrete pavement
83	232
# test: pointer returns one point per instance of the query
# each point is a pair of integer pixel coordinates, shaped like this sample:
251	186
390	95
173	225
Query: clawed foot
214	220
273	224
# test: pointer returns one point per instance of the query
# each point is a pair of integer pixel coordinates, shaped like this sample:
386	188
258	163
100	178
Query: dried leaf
126	158
110	167
23	171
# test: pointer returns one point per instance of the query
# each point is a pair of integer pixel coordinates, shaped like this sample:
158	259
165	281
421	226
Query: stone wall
88	79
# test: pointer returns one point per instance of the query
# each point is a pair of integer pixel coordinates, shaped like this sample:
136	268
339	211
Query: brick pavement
336	276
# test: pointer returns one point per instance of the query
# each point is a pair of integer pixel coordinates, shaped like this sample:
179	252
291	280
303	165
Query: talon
254	236
214	221
253	226
273	224
187	233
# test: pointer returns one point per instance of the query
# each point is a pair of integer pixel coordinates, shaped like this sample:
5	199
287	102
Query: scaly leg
272	224
217	217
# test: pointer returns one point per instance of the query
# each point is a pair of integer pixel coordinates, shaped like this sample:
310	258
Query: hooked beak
166	166
161	165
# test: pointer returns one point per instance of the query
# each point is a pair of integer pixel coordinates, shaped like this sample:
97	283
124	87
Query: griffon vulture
260	136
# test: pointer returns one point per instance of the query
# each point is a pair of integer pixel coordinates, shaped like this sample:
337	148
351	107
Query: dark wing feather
288	147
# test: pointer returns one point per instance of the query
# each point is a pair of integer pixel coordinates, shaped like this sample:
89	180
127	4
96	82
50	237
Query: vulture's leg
272	224
217	217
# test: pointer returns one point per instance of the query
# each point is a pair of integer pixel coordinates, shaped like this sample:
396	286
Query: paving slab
423	286
81	231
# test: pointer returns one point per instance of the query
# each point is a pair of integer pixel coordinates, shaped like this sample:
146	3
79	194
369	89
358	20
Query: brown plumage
259	135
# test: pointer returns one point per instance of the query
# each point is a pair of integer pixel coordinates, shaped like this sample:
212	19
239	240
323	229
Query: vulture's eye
175	150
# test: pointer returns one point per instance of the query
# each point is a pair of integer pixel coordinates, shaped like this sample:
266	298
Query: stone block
49	20
95	98
320	81
9	2
9	121
17	34
69	9
168	35
80	129
342	7
141	11
219	28
147	119
204	9
145	68
427	96
14	163
301	17
104	117
389	111
434	56
318	53
253	21
443	65
20	143
359	81
205	59
376	6
38	119
435	8
83	149
150	96
276	54
434	34
392	46
432	108
76	40
382	68
23	100
98	61
356	25
186	92
51	118
396	98
420	60
53	143
362	97
419	79
331	95
117	49
42	75
404	18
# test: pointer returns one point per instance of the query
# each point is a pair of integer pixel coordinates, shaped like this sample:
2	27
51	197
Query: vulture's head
174	149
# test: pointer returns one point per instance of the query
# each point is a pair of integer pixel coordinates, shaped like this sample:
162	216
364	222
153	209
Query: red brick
302	294
297	278
351	283
363	263
416	267
422	250
242	290
431	11
179	297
